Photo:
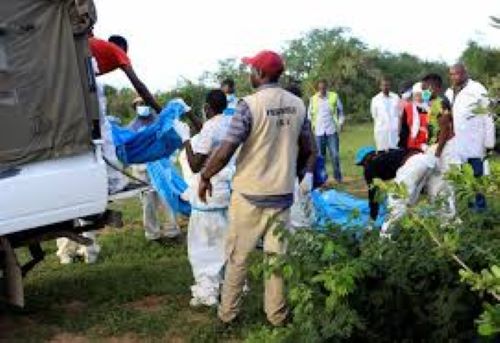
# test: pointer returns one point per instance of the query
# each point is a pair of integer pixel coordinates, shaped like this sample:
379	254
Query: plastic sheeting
169	184
302	213
158	140
345	210
154	145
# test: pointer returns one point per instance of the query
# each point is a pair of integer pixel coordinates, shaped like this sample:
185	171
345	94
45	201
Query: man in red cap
272	130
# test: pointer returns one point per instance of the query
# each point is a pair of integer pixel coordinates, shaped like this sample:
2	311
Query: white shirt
211	134
205	142
386	113
325	123
474	132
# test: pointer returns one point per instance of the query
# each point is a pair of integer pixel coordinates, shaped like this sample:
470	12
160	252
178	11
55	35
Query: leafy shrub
419	285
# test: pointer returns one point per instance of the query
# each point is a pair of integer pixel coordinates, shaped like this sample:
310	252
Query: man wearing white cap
272	130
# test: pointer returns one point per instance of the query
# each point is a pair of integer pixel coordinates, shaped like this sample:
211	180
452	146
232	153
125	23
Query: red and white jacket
418	124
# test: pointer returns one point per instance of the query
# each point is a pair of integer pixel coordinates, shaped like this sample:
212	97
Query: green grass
138	291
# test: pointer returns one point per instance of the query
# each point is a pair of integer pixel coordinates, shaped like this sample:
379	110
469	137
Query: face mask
143	111
426	95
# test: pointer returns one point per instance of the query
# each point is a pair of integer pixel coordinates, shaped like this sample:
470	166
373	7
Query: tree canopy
348	64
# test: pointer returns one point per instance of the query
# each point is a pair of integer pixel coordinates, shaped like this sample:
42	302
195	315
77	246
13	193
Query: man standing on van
272	129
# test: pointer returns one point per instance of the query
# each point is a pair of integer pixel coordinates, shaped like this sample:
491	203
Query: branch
455	257
495	22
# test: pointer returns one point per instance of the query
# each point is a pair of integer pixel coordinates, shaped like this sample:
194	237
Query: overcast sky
173	39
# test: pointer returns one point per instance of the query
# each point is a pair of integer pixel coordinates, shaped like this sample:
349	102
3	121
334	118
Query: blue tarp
156	141
153	145
334	207
169	184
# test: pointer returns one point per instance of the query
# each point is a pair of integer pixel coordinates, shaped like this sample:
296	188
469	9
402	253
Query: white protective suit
151	207
208	222
419	171
386	113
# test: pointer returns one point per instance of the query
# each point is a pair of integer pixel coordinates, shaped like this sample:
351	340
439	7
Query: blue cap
362	153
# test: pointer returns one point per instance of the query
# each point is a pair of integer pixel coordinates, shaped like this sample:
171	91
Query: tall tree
483	63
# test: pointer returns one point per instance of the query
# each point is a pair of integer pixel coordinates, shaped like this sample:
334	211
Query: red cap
267	61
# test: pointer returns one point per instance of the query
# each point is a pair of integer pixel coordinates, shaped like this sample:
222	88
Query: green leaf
486	329
496	271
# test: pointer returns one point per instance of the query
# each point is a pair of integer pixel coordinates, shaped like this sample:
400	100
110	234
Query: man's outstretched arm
196	122
141	88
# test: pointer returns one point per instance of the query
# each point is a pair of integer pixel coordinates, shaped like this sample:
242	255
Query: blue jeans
332	143
478	168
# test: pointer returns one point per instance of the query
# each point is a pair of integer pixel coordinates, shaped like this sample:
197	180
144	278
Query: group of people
241	167
421	135
253	158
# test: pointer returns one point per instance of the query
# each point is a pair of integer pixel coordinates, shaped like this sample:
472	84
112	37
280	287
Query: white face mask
143	111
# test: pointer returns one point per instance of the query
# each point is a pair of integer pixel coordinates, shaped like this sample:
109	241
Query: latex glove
181	101
307	184
186	196
182	129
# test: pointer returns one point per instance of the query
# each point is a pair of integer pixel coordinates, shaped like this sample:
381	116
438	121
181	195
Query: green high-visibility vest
332	101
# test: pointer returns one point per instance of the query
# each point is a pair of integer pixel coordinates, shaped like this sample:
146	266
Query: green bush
427	283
